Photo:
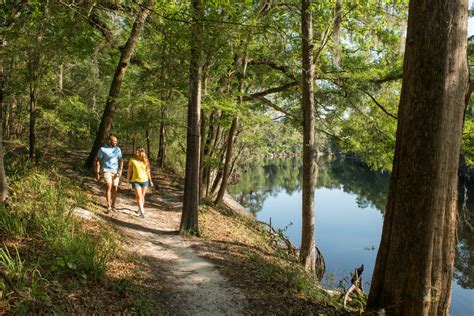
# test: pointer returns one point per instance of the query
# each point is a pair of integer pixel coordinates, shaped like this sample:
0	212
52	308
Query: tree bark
307	252
115	87
3	176
228	158
414	265
7	25
189	219
337	34
165	74
241	65
34	78
147	136
59	77
162	138
204	124
205	169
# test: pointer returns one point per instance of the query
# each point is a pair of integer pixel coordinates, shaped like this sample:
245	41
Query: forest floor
231	269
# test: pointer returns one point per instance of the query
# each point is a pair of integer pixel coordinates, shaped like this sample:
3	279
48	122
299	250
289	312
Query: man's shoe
107	210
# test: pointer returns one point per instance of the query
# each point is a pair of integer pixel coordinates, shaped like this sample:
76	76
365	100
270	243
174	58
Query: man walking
109	161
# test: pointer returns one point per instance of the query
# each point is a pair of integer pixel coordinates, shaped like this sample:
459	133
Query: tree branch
15	15
380	105
327	34
103	29
271	64
261	94
279	109
389	77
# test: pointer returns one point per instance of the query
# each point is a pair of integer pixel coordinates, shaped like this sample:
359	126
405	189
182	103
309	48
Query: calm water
348	203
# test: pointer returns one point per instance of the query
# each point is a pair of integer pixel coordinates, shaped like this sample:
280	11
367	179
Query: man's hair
112	135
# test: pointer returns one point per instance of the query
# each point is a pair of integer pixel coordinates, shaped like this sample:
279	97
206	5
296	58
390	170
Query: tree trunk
3	176
33	104
189	219
201	154
7	25
213	149
337	34
147	136
34	78
241	66
59	77
115	87
414	266
307	252
205	169
166	74
228	159
162	139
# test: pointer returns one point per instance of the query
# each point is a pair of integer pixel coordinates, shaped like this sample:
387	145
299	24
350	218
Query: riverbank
147	268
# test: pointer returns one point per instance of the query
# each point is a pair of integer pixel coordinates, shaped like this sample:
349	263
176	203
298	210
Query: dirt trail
194	285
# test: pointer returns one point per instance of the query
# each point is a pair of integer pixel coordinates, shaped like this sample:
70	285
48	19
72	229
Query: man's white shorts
111	177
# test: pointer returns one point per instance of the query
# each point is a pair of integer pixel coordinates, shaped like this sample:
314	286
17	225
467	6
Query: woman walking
139	177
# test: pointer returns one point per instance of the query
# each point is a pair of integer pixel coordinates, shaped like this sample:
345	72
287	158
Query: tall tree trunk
3	176
241	65
307	252
210	139
337	34
228	159
147	136
414	266
221	154
115	87
34	78
59	77
204	124
189	219
166	74
162	138
6	26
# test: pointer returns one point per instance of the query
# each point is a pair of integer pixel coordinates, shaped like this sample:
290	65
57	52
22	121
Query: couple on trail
109	167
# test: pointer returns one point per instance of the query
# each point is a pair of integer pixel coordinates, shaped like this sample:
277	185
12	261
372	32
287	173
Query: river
349	204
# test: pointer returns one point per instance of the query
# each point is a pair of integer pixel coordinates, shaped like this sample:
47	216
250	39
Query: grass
274	279
42	239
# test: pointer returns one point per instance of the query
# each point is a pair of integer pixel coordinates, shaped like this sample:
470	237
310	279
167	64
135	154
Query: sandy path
195	286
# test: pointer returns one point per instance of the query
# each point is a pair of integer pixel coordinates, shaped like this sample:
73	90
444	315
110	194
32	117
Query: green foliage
11	264
44	207
468	140
41	209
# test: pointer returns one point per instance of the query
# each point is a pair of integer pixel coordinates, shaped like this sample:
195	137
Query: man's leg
108	191
114	195
115	186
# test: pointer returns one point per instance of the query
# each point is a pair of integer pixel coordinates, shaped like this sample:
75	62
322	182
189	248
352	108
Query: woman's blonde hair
141	156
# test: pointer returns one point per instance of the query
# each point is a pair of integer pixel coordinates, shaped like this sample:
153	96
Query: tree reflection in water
261	179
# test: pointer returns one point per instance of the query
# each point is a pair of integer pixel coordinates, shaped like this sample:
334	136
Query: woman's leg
138	195
143	193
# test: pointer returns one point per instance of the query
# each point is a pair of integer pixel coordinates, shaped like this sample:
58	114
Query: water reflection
272	188
270	177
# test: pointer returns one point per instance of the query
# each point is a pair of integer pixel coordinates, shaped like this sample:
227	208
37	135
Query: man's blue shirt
110	158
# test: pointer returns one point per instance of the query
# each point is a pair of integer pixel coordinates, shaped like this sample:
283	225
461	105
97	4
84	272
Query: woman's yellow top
139	173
